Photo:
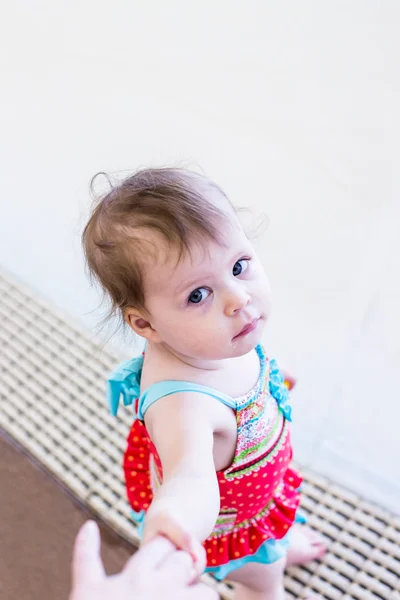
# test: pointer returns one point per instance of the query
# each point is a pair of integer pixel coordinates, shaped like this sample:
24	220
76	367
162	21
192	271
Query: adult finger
150	556
201	592
86	563
178	568
184	541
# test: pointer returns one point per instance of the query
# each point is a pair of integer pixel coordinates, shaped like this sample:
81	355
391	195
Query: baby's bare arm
187	504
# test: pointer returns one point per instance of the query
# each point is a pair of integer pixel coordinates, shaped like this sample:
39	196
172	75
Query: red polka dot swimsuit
259	493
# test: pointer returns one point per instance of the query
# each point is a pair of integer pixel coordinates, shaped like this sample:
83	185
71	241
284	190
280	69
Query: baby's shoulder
179	389
158	368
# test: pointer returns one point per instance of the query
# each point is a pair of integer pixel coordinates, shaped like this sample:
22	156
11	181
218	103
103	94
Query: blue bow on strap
125	380
279	390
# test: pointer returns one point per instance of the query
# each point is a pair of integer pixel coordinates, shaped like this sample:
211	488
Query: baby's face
214	303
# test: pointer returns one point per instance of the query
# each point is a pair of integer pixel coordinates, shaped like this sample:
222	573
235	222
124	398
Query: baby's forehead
168	266
218	199
168	262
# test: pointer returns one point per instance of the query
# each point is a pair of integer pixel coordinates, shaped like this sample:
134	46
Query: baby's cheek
198	337
265	290
186	331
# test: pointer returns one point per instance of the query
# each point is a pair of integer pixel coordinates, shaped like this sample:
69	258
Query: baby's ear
140	324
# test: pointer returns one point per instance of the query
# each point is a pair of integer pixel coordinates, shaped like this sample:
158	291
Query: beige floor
52	403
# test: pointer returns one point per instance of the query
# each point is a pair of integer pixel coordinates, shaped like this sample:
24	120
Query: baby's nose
236	302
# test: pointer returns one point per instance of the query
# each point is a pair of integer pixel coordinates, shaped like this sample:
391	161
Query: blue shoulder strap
125	381
166	388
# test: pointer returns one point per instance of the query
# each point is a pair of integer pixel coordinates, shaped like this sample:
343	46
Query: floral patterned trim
251	468
264	442
225	522
244	401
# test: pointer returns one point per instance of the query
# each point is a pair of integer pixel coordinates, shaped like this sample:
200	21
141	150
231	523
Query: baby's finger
184	541
188	543
151	556
199	557
178	536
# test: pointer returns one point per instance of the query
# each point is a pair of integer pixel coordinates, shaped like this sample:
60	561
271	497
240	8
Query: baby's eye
198	295
240	266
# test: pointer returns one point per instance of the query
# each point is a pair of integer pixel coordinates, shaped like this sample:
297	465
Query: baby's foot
305	546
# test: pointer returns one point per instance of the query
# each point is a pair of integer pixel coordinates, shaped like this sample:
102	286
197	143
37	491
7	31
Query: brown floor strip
38	523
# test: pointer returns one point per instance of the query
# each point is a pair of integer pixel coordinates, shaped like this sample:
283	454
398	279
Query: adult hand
163	525
157	570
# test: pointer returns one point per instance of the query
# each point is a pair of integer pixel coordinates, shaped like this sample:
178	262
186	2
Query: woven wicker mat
52	403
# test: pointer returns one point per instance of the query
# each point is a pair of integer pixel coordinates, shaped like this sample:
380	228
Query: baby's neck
165	352
233	376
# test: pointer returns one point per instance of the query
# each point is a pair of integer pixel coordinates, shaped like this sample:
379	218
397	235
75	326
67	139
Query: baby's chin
242	348
215	348
232	349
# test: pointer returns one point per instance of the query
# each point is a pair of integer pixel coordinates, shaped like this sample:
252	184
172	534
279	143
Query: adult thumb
87	566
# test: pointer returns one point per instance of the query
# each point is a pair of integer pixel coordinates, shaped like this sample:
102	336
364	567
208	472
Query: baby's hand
162	523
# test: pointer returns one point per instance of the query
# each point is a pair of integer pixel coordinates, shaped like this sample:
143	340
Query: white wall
293	108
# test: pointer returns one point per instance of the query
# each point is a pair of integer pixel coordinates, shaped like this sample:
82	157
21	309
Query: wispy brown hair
170	202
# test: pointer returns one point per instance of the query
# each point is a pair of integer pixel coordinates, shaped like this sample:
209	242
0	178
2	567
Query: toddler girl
208	456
